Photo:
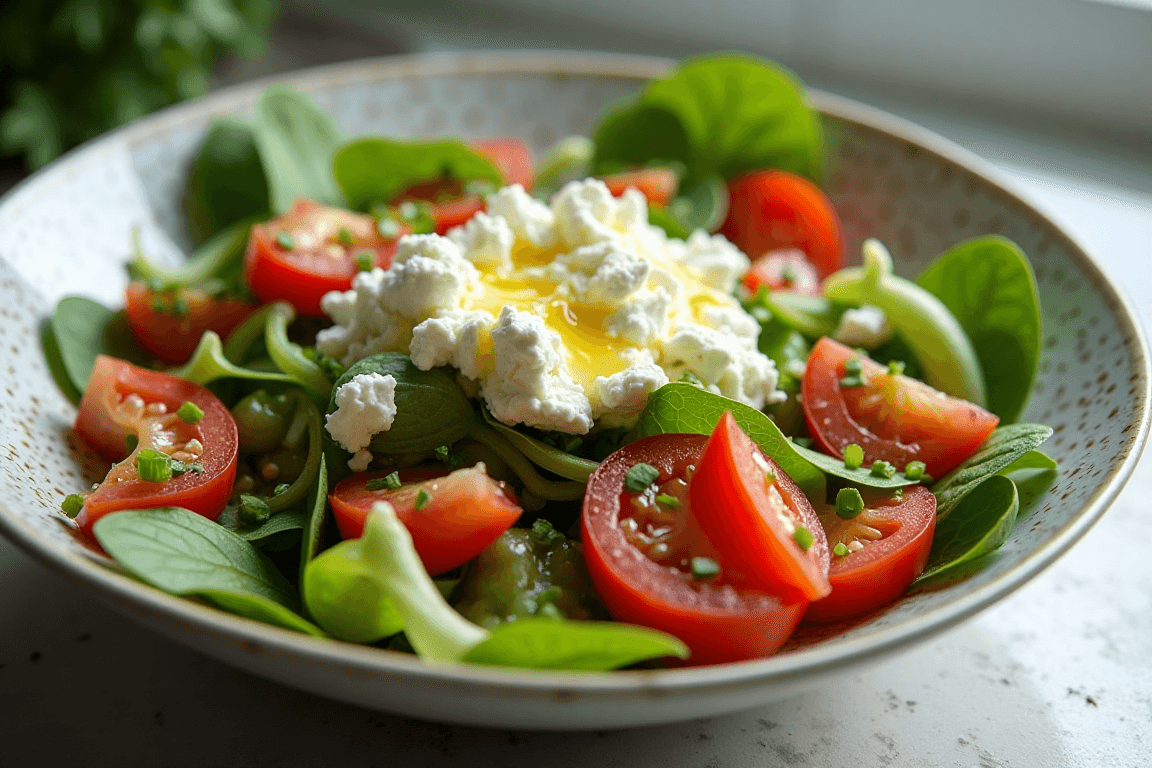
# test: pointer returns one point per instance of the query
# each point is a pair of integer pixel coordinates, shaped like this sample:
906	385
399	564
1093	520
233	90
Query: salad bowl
67	230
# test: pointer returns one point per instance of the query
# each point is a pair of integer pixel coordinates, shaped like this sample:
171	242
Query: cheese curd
563	315
365	406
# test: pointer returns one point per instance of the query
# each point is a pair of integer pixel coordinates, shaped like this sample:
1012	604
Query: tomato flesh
756	515
311	250
658	184
722	619
785	270
774	210
169	324
893	417
122	400
465	511
889	542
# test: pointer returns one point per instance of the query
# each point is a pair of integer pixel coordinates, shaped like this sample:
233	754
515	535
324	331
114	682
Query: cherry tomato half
122	400
452	517
169	323
786	270
773	210
640	550
893	417
452	205
658	184
311	250
889	542
758	518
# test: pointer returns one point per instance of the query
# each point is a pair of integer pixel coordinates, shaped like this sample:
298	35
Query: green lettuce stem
550	490
288	356
308	414
205	262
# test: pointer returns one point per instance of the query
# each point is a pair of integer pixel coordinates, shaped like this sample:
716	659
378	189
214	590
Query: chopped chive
281	488
130	442
154	466
669	501
545	534
849	382
286	241
190	413
769	476
197	467
365	260
840	550
442	453
853	365
423	498
180	307
389	482
179	468
72	504
639	477
898	494
345	237
883	469
914	470
253	510
690	378
849	503
704	568
895	367
803	538
853	456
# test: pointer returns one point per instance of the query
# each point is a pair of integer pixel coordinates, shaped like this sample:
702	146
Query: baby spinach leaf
83	329
639	134
296	140
1003	447
260	608
208	364
579	645
738	114
377	170
316	510
979	524
226	182
1030	463
431	410
221	258
543	455
55	360
682	408
862	476
988	285
292	520
702	204
288	355
185	554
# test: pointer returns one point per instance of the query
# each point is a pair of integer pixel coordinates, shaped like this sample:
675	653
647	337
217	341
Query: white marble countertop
1058	675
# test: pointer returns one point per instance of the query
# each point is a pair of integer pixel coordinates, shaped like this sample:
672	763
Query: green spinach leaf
579	645
220	258
185	554
226	182
701	205
1003	447
988	285
978	525
285	522
543	455
296	140
317	514
1030	463
377	170
82	330
659	216
862	476
639	134
260	608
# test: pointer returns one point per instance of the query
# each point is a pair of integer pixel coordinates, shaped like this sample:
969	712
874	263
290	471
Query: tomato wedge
758	518
123	400
888	545
774	210
785	270
452	517
451	203
311	250
658	184
169	324
641	550
893	417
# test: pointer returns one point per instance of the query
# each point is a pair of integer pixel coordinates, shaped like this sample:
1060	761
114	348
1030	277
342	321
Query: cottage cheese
365	406
564	314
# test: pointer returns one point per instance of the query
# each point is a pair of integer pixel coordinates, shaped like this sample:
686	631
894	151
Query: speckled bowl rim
188	619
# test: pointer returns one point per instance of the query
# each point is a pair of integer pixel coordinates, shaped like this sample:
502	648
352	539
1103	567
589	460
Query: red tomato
658	184
123	400
771	210
169	323
786	270
639	553
311	250
753	513
894	418
464	513
452	206
896	534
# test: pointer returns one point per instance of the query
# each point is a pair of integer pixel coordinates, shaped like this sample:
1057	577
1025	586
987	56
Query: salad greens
296	140
981	522
80	331
1003	447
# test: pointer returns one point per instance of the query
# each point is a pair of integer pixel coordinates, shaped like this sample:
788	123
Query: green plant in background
72	69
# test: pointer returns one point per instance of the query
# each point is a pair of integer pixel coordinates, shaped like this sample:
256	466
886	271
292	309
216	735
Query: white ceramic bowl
67	230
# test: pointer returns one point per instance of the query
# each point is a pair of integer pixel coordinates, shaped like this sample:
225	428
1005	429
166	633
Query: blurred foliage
72	69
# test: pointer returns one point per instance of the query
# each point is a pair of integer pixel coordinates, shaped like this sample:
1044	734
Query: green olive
262	421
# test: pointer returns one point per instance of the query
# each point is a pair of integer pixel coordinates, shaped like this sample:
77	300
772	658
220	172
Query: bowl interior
68	230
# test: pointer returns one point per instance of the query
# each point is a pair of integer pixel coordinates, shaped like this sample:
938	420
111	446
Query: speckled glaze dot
888	180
